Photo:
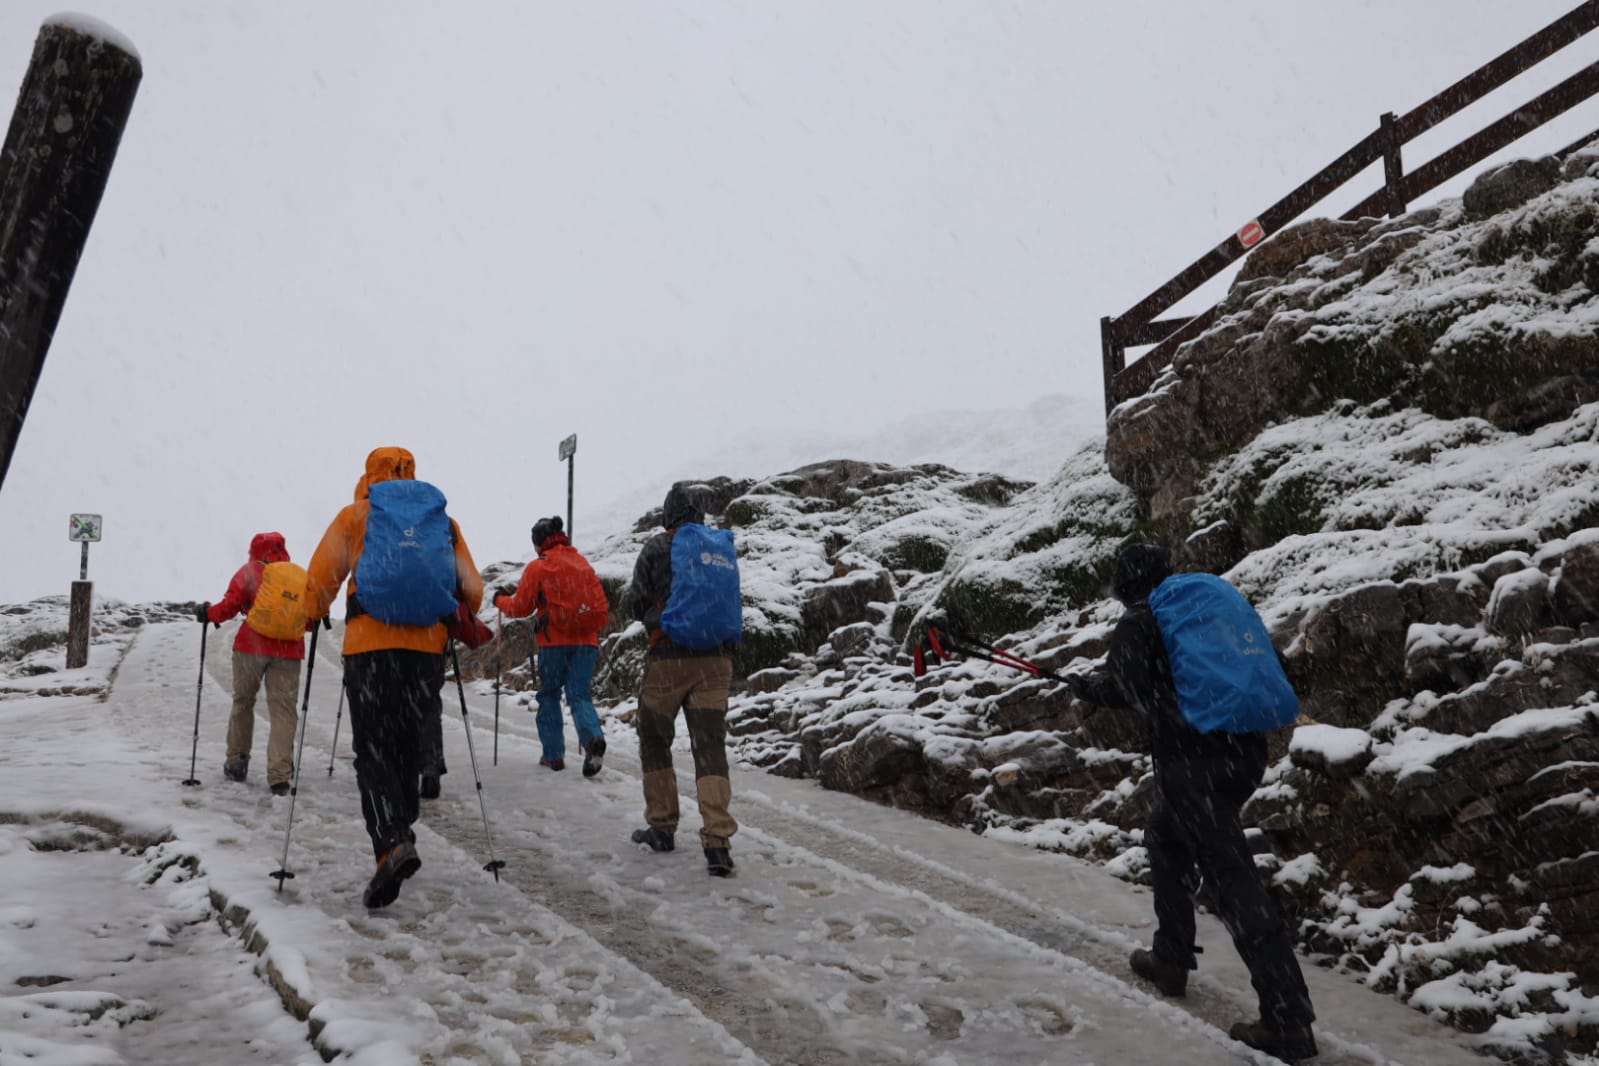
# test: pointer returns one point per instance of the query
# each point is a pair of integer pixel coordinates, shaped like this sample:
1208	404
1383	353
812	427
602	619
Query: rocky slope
1390	441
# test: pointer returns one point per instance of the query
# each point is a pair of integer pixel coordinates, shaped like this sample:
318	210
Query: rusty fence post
70	114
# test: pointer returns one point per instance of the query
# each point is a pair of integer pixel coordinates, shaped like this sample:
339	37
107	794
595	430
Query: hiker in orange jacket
563	588
259	660
393	676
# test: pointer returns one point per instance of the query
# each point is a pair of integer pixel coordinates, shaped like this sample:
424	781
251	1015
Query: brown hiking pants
282	678
697	686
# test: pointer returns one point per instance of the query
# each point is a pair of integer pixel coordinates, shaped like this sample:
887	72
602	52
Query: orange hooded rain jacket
335	559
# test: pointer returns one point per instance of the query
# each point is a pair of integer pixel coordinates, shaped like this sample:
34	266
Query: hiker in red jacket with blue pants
562	587
259	660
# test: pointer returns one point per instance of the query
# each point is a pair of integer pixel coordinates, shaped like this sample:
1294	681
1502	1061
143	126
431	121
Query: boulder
1519	605
844	601
1511	185
1291	247
1574	596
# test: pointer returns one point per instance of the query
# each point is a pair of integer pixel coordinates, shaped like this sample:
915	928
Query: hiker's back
704	609
574	608
1225	670
406	574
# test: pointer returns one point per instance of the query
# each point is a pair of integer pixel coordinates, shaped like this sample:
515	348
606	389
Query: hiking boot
280	789
655	839
235	769
592	758
1170	977
429	787
1291	1043
553	764
396	865
719	861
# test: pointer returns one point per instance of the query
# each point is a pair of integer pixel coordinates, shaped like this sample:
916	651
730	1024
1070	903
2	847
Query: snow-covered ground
139	923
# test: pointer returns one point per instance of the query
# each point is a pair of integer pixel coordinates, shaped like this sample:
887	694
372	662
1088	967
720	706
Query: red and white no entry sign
1251	233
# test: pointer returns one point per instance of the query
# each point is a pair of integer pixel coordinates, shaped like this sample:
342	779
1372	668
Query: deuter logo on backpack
1226	671
704	610
406	573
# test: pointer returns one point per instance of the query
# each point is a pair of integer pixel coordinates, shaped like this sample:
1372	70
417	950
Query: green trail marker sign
84	527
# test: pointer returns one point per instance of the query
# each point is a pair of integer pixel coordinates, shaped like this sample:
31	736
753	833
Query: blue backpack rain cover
406	573
704	610
1227	673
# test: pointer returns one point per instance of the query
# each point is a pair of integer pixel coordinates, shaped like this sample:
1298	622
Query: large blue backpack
704	610
1227	673
406	573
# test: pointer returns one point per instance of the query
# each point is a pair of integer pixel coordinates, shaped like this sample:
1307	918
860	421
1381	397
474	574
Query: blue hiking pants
568	667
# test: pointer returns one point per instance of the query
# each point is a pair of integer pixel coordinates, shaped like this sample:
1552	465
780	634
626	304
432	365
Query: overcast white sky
677	229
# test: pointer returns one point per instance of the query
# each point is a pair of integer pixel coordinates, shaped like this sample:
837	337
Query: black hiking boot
429	787
592	759
280	789
655	839
1293	1043
400	862
236	769
1169	977
719	862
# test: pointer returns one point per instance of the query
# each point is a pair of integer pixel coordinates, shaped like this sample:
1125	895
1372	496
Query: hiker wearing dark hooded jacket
258	661
1201	780
675	678
393	677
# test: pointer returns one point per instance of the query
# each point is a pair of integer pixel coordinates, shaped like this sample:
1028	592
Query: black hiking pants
1194	821
394	695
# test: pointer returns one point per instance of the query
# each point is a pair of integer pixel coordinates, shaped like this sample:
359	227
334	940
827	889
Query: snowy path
852	933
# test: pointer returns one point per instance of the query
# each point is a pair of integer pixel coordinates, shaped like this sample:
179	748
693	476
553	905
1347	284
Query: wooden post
63	137
1393	165
1112	359
78	624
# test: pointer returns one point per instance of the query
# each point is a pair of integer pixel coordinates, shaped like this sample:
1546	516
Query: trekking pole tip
494	866
191	782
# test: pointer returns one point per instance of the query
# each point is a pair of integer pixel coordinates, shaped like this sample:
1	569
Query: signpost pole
82	528
568	451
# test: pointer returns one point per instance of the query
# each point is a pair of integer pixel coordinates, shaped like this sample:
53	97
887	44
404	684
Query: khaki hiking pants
698	687
282	678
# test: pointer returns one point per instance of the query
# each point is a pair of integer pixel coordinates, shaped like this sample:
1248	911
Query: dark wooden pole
64	133
80	612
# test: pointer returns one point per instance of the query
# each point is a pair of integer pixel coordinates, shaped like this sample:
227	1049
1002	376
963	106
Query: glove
504	590
201	613
1079	686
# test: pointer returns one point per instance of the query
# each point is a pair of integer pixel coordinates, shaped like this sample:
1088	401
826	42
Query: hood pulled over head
681	507
1140	568
268	548
386	464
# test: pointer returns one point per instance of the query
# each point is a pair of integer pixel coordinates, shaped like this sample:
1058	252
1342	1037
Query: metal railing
1138	326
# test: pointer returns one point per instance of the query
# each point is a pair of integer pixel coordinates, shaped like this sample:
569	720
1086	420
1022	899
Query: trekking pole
283	873
336	720
191	780
493	866
499	623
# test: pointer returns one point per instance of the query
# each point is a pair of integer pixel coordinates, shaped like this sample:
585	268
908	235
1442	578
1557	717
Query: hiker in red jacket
259	660
563	588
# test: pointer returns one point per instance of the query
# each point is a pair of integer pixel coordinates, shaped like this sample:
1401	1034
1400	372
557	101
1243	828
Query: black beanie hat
544	527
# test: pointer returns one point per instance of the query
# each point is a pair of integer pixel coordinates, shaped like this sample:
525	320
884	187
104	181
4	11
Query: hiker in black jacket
1201	782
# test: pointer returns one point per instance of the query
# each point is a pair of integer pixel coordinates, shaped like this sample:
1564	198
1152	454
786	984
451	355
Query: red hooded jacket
264	548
